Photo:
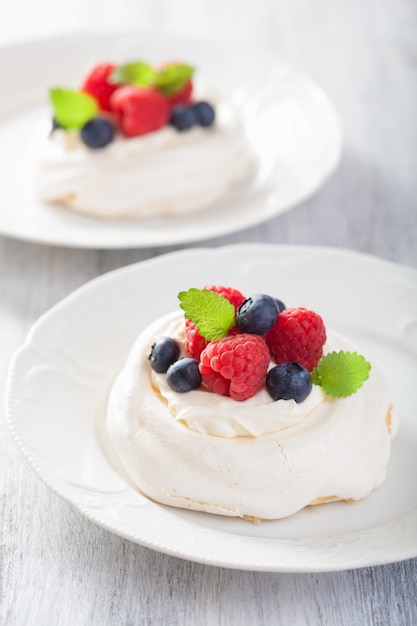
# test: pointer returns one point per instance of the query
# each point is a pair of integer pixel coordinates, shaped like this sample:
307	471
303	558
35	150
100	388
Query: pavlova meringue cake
246	408
136	141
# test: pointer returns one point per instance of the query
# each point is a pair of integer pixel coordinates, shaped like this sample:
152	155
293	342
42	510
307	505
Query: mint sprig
211	313
136	73
172	78
169	80
341	374
72	109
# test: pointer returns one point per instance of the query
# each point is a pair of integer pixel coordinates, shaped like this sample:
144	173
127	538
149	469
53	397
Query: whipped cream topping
212	414
257	458
166	172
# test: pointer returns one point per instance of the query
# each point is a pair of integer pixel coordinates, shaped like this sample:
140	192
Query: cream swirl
217	415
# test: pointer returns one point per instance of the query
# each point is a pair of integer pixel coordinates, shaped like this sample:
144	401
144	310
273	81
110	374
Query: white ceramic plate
292	126
59	380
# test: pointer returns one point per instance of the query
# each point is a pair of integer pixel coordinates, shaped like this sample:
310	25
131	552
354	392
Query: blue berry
204	113
257	314
289	381
183	117
55	125
97	133
184	375
281	305
163	354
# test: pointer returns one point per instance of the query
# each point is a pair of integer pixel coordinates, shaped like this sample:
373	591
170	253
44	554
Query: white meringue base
338	450
164	173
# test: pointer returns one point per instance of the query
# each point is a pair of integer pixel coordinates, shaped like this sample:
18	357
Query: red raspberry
97	84
235	366
298	335
233	295
139	110
194	342
183	96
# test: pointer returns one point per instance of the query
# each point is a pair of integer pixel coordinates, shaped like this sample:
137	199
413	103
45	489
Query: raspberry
194	342
139	110
298	335
97	84
183	96
235	366
233	295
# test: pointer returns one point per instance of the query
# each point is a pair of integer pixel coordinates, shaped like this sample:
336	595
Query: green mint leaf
210	312
72	109
173	78
341	374
134	73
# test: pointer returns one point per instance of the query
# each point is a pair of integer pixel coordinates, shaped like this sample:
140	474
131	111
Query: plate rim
140	266
83	236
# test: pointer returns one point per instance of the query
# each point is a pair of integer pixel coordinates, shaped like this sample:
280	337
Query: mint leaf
341	374
72	109
168	80
210	312
136	73
173	78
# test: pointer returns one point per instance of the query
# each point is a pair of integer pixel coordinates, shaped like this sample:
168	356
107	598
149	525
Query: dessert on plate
243	407
139	141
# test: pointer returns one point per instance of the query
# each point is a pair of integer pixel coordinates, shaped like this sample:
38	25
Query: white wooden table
57	568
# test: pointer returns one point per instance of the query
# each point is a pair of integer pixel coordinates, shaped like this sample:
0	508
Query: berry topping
139	110
97	133
235	366
182	117
98	84
280	304
234	296
289	381
204	113
298	335
139	97
174	80
232	359
212	313
163	354
257	314
194	342
183	96
184	375
55	125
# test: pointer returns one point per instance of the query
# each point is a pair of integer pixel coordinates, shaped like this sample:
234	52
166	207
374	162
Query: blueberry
55	125
163	354
184	375
204	113
289	381
183	117
97	133
281	305
257	314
